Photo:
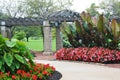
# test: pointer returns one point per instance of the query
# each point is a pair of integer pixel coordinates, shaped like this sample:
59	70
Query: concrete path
82	71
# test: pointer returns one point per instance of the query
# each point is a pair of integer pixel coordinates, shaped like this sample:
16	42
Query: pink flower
18	71
8	74
34	77
13	77
44	72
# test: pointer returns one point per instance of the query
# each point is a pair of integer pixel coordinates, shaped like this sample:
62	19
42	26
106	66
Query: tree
12	8
31	31
42	8
31	8
3	15
93	9
111	6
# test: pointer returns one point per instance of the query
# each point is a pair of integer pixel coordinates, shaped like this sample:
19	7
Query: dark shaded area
55	76
112	62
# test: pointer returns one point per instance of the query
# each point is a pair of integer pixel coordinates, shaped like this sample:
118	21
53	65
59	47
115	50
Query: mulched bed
55	76
40	56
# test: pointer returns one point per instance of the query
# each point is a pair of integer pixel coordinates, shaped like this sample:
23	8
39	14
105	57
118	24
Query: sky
81	5
78	5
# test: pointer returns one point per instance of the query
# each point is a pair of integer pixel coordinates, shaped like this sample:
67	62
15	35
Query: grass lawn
37	45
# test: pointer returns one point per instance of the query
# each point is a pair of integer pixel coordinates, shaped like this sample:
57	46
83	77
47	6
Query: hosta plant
94	54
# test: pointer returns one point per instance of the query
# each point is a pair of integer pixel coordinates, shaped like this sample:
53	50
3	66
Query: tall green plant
87	33
115	30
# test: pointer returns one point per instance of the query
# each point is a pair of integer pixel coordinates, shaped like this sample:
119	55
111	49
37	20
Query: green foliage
41	8
93	9
10	44
31	31
66	44
111	6
88	33
13	55
20	35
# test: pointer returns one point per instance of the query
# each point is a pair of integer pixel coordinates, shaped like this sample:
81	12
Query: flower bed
95	54
37	72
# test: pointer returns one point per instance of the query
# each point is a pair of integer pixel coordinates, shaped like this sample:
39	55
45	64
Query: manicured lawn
37	45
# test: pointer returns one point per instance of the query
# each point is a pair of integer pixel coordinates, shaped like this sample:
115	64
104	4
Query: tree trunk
42	33
27	39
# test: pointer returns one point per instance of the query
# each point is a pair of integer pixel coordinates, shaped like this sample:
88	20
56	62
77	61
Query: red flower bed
37	72
94	54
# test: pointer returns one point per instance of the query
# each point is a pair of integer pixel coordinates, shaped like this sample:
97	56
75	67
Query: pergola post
3	29
47	38
59	44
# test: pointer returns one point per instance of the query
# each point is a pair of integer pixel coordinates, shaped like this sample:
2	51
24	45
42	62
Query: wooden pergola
54	19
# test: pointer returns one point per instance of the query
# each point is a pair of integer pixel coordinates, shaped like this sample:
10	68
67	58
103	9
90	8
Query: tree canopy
42	8
111	6
31	8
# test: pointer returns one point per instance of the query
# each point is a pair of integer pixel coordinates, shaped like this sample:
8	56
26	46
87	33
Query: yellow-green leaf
100	24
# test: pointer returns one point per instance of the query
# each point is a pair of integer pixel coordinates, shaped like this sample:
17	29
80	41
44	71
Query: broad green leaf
3	69
17	65
1	62
108	29
115	29
67	29
72	28
88	19
100	24
8	58
15	50
19	58
85	26
31	61
12	67
10	43
79	28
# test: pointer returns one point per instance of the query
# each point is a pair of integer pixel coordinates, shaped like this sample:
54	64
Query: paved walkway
83	71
